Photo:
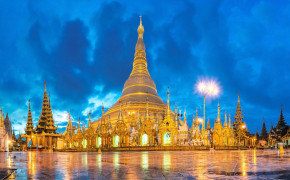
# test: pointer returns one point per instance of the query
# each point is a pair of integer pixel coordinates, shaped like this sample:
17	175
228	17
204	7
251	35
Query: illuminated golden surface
147	165
138	87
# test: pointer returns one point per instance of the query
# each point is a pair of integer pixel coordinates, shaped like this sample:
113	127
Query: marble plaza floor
238	164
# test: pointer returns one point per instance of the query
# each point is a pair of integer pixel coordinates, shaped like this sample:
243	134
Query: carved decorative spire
140	29
120	117
42	121
218	117
29	125
90	119
196	117
208	125
140	62
230	121
69	127
79	126
238	116
103	110
139	124
168	105
226	123
45	86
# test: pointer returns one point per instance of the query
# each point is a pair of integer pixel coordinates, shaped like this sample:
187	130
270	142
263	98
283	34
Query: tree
281	125
257	134
264	133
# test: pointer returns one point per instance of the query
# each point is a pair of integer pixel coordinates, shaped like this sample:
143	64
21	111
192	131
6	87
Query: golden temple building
44	135
243	136
223	135
139	118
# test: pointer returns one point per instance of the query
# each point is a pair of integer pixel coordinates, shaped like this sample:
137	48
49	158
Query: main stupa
137	88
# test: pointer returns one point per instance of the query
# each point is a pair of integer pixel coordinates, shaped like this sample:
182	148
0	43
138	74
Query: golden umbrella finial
140	29
140	19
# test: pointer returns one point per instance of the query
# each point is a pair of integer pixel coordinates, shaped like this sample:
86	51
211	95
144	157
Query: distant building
5	131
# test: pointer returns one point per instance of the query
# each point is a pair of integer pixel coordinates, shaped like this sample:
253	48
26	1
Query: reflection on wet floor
148	165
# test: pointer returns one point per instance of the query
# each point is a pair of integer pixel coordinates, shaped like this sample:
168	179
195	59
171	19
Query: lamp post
207	88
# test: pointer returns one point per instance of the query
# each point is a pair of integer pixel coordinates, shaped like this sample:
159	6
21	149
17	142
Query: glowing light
145	160
144	139
167	139
244	126
99	142
116	141
207	87
200	120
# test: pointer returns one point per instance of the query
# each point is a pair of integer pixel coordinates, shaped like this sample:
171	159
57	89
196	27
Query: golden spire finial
90	119
44	86
168	106
29	104
140	29
238	98
218	118
140	19
226	122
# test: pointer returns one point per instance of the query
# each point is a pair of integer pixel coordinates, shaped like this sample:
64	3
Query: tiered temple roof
29	124
45	122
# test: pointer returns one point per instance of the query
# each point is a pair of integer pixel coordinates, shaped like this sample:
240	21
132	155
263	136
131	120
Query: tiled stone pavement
248	164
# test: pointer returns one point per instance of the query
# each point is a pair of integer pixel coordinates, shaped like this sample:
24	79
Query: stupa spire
238	116
103	110
208	125
218	117
168	105
69	125
226	123
43	119
90	119
230	121
45	86
79	127
140	29
196	117
120	117
140	62
29	125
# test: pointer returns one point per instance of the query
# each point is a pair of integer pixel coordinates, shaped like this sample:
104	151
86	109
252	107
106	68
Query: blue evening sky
85	49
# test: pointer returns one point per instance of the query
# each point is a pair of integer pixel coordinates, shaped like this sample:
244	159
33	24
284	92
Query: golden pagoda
44	135
137	88
69	135
141	118
217	138
223	135
79	137
167	129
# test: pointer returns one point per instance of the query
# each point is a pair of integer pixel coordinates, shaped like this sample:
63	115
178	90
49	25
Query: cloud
96	102
85	50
